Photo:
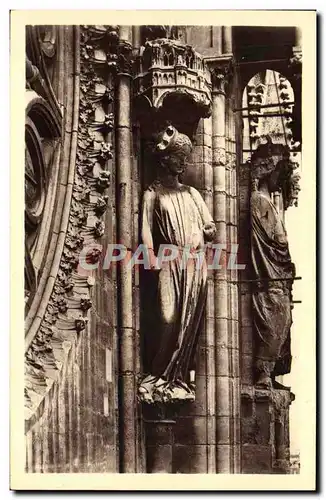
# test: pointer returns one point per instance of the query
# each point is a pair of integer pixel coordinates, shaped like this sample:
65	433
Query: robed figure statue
174	218
273	271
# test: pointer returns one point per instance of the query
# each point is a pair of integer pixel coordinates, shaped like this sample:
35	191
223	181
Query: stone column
209	340
227	39
225	338
220	278
232	276
136	41
127	383
217	37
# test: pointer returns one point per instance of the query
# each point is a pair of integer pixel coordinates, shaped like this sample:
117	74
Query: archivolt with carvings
66	313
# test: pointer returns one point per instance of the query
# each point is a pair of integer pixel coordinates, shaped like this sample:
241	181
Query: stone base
176	440
265	430
159	423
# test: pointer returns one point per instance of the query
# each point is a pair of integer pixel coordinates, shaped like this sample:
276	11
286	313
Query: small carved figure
103	181
271	262
174	214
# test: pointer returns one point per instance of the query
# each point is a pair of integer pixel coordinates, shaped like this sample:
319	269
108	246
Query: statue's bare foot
181	392
161	391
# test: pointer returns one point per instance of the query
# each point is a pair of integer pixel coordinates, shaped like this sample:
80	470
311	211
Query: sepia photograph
169	248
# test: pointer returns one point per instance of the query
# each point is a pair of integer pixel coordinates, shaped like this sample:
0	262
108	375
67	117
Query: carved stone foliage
66	314
221	74
166	66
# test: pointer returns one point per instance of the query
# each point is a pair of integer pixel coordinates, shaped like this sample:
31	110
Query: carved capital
221	75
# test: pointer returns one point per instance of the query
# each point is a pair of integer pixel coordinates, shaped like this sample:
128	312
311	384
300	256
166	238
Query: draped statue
173	215
273	271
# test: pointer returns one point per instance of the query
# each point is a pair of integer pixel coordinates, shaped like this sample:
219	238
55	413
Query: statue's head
173	149
270	163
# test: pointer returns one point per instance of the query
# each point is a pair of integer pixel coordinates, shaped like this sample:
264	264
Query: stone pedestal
159	446
159	424
265	430
176	438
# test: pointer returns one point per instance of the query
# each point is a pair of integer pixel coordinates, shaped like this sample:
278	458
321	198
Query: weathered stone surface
263	430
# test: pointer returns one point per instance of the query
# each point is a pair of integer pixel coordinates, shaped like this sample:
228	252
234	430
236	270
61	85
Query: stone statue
271	261
174	214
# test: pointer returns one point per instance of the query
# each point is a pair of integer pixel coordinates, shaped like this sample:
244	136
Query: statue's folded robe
271	262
